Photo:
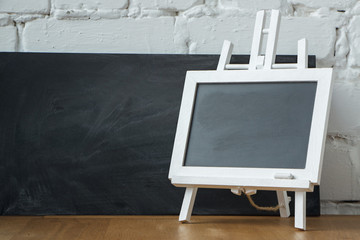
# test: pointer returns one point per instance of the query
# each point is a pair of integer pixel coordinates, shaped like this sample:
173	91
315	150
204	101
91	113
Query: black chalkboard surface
257	125
93	134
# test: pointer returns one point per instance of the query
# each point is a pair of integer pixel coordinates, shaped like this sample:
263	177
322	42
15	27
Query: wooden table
167	227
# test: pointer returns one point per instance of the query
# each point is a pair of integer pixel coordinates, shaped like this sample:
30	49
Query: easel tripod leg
188	204
300	210
283	201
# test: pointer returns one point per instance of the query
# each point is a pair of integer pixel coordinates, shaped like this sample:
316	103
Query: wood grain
167	227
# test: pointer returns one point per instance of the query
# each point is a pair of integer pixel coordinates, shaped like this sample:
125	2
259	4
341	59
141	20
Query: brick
25	6
175	5
341	48
340	174
354	43
8	38
356	9
4	19
339	208
337	4
156	13
212	3
320	33
200	11
91	4
256	5
85	14
23	18
124	35
335	186
344	115
208	33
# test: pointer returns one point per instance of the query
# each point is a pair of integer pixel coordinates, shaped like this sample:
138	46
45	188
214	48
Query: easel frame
260	69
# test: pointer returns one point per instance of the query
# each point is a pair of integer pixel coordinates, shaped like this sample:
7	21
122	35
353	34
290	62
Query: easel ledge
253	184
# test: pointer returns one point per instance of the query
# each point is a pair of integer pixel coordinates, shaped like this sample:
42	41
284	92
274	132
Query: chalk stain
51	169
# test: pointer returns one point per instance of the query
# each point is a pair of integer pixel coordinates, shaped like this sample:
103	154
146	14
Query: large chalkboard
93	134
257	125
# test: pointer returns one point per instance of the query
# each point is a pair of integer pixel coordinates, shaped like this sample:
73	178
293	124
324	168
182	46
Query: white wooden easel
266	62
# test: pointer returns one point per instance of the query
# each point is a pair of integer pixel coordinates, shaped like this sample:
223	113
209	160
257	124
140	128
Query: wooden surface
167	227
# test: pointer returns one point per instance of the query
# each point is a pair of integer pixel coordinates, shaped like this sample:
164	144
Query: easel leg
188	204
300	210
283	200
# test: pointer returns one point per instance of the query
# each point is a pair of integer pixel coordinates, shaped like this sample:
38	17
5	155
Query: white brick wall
124	35
173	5
8	38
255	5
25	6
90	4
200	26
354	36
337	4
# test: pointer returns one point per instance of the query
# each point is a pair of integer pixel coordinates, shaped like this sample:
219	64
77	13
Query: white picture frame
253	178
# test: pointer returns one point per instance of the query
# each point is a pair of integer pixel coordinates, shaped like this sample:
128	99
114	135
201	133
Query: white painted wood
256	60
284	66
300	210
250	191
188	204
237	66
247	183
237	191
283	201
283	176
272	39
319	125
310	188
260	61
274	66
182	127
257	39
265	31
225	55
302	59
312	171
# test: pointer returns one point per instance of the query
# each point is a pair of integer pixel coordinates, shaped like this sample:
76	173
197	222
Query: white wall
200	26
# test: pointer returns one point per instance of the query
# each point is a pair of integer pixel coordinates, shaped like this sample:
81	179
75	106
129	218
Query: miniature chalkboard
253	125
262	128
241	128
252	130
